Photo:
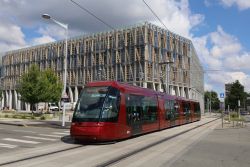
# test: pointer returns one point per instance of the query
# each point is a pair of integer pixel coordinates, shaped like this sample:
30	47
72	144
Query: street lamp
65	26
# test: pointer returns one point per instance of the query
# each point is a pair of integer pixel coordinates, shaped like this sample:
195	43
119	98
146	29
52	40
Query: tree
53	87
213	96
36	86
236	93
30	87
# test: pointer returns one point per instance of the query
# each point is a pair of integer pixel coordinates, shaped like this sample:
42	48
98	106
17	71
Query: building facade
141	55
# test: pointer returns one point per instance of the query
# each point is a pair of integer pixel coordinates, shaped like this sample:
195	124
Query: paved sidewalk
53	123
227	147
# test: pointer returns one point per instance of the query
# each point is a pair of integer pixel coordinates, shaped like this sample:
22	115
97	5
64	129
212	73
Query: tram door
134	113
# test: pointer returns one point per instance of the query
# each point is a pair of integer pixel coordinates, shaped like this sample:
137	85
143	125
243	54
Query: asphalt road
14	138
208	145
98	154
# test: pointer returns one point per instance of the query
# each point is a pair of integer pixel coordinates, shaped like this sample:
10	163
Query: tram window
133	108
90	104
176	107
149	105
167	109
197	108
186	108
111	106
171	110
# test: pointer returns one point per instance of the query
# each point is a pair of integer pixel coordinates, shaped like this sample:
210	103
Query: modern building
140	55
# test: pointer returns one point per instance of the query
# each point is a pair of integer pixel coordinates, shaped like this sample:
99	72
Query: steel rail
129	154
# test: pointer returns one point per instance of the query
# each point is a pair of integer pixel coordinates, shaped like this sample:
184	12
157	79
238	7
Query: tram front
96	114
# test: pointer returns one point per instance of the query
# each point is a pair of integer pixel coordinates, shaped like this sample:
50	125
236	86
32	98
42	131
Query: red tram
111	110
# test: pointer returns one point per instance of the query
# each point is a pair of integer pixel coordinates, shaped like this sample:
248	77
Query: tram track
111	161
134	152
41	155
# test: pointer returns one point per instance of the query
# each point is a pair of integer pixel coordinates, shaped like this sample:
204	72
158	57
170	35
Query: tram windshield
97	104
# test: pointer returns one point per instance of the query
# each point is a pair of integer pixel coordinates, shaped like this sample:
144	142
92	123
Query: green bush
32	117
15	116
9	111
6	116
234	115
43	118
23	117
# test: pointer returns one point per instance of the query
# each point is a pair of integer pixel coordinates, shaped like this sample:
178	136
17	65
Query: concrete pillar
27	106
171	90
10	100
185	89
70	94
180	91
189	93
154	88
160	87
16	100
76	94
7	98
145	84
2	101
176	90
18	104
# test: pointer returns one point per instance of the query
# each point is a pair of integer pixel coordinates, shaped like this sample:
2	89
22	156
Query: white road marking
50	135
66	131
23	131
40	138
21	141
60	133
7	145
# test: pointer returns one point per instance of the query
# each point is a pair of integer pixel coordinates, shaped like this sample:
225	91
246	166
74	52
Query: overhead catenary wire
155	14
92	14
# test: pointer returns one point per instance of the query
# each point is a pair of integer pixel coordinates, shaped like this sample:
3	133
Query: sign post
63	99
222	111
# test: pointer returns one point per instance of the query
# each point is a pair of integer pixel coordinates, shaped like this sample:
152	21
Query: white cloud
241	4
41	40
222	51
220	78
52	30
176	15
118	13
208	87
238	62
11	37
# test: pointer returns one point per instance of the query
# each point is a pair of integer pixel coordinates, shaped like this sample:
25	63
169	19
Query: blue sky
233	20
219	29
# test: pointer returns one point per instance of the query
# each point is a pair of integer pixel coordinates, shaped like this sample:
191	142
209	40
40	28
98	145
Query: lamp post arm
65	26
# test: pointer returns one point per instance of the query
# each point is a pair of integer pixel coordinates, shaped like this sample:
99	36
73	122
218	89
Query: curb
14	124
46	124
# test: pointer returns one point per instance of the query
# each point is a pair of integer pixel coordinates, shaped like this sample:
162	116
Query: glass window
171	110
98	104
186	108
111	106
149	106
197	109
141	108
133	108
90	104
167	106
